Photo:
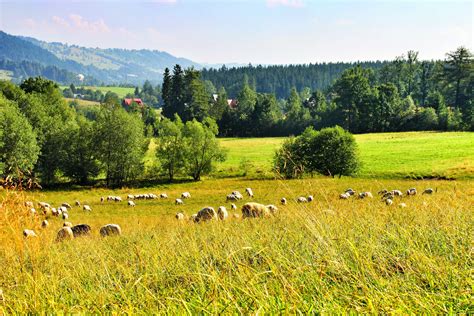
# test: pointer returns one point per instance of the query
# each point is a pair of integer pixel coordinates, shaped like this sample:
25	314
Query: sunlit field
383	155
331	256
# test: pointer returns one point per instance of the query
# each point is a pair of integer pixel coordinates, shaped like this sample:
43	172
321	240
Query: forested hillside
279	79
108	66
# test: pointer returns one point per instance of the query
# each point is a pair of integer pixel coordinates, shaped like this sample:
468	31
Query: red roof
128	101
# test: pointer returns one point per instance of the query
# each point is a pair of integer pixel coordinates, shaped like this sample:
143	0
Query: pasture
412	155
120	91
331	256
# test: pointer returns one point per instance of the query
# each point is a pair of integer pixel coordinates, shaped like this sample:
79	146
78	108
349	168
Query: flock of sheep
249	210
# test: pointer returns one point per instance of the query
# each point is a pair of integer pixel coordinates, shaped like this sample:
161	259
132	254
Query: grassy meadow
120	91
331	256
413	155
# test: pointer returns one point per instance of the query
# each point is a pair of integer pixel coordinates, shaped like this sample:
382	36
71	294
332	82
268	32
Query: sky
251	31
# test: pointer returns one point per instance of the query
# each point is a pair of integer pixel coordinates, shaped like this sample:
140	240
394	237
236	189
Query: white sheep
193	217
310	198
249	192
44	205
232	197
44	224
238	195
206	214
65	216
185	195
131	203
254	210
283	201
222	213
163	196
78	203
179	216
302	199
66	205
130	197
273	209
397	193
64	233
411	191
178	202
28	233
110	230
102	199
87	208
233	207
388	202
350	191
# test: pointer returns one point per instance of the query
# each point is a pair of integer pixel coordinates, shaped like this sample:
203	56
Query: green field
331	256
120	91
385	155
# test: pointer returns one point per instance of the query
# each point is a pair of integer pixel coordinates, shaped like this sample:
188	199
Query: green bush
331	152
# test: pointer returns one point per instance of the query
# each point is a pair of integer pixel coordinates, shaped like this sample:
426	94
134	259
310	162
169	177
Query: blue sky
243	31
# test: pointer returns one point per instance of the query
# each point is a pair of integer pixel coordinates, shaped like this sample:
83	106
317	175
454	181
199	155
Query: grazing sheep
110	230
65	216
87	208
102	199
81	230
78	203
310	198
402	205
206	214
363	195
283	201
382	192
254	210
233	207
65	232
249	192
179	216
130	197
193	217
428	191
350	191
29	204
131	203
67	224
222	213
178	202
44	224
44	205
272	208
163	196
411	191
62	209
388	202
232	197
238	194
185	195
397	193
54	211
302	199
28	233
117	199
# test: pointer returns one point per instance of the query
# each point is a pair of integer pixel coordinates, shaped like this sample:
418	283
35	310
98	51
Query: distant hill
109	66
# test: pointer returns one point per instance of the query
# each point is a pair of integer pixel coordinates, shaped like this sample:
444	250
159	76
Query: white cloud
98	26
286	3
60	21
344	22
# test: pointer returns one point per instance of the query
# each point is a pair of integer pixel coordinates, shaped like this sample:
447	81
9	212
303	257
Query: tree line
402	95
44	138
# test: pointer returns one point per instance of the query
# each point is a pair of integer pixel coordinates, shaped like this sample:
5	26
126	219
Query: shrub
332	151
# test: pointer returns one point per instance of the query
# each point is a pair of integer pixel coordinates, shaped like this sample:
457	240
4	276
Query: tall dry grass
330	256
